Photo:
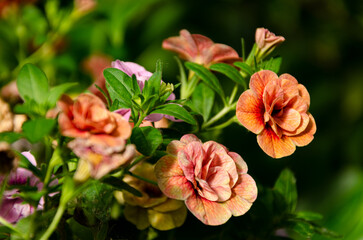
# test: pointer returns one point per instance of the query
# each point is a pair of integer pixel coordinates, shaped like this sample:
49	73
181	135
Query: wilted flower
212	181
94	65
200	49
141	75
276	108
89	118
97	160
266	42
153	208
12	208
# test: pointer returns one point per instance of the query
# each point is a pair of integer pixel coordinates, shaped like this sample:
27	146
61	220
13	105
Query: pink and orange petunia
276	108
200	49
212	181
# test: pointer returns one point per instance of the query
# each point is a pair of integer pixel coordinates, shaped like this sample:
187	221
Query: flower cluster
108	141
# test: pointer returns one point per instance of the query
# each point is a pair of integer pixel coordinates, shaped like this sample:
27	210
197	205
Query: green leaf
10	137
273	64
119	86
286	185
121	185
25	163
327	233
209	79
135	85
203	100
303	228
32	84
153	84
57	91
309	216
230	72
146	139
175	111
244	68
35	130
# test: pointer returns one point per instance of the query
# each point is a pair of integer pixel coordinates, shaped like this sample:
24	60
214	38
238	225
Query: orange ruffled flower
212	181
89	118
276	108
200	49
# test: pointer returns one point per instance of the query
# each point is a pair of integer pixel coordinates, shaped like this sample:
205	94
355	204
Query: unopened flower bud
266	42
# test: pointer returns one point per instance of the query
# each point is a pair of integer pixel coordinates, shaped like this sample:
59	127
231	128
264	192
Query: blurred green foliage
322	50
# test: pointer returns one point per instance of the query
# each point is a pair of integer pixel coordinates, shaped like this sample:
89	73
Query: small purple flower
12	208
142	75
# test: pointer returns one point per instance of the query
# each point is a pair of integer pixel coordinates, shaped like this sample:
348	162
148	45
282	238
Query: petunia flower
153	207
141	75
212	181
97	160
88	117
266	42
200	49
276	108
13	208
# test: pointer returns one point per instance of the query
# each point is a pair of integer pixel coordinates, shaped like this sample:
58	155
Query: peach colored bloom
200	49
153	208
88	117
97	160
212	181
276	108
266	41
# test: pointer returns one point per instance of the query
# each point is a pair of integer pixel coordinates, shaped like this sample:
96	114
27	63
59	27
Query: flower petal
250	112
137	215
274	146
171	179
167	220
187	138
289	120
174	147
305	137
240	163
260	79
219	53
244	194
210	213
184	45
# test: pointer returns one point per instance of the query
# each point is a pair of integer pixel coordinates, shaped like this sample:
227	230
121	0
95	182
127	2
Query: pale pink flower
200	49
13	208
212	181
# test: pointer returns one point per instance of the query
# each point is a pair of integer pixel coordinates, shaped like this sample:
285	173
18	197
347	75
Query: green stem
10	226
54	224
137	160
219	115
142	178
233	94
139	121
193	81
223	125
